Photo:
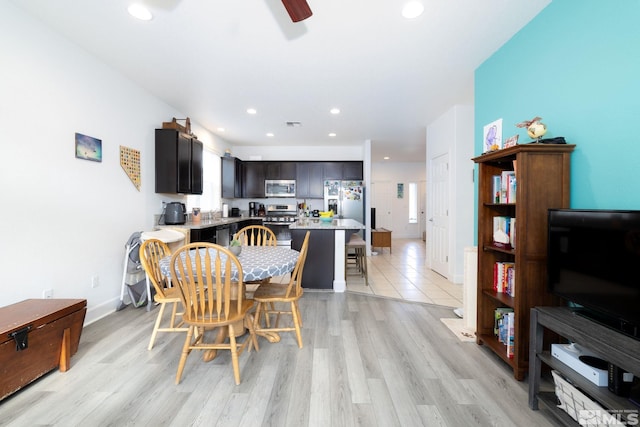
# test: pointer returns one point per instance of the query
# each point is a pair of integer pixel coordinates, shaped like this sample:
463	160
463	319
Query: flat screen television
594	263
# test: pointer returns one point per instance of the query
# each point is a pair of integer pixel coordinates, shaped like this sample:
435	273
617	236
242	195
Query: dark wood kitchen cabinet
352	170
343	170
280	170
178	162
309	180
253	182
231	177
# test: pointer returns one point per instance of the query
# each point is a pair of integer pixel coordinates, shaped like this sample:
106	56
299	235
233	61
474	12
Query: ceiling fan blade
297	9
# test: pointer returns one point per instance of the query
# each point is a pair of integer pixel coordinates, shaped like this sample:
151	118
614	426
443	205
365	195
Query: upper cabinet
280	170
231	177
246	179
343	170
253	179
310	180
178	162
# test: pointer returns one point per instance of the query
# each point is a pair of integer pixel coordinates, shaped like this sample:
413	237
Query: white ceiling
213	59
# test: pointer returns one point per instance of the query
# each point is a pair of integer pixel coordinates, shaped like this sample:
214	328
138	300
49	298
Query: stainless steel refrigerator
345	199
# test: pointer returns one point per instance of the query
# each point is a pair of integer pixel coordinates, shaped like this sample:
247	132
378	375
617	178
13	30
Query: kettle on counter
175	213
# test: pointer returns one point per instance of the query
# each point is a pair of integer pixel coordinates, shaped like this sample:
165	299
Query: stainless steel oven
278	218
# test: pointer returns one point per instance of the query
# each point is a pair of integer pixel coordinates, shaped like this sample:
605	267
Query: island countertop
335	224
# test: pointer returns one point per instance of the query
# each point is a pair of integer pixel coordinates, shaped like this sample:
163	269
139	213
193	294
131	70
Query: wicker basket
579	406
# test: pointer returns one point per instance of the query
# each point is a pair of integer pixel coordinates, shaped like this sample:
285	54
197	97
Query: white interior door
422	208
382	199
438	239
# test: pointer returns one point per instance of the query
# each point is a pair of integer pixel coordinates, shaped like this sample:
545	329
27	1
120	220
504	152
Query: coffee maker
253	211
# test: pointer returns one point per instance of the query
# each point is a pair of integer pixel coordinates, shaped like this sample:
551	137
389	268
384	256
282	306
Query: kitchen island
325	267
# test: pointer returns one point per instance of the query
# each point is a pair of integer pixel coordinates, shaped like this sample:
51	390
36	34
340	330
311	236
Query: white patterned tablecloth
258	262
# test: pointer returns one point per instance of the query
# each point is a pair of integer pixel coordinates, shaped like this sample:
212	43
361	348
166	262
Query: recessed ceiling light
412	9
139	11
252	110
220	129
335	111
386	157
270	134
332	134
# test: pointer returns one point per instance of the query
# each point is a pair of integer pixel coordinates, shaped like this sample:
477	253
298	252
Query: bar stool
359	256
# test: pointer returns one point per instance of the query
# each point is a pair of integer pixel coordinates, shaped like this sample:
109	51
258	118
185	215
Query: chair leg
296	321
156	326
185	352
365	267
234	355
252	333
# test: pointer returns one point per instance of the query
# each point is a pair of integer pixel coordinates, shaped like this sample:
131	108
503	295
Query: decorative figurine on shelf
535	128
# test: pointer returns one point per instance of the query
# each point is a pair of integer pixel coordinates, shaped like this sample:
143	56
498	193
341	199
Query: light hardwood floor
367	361
402	273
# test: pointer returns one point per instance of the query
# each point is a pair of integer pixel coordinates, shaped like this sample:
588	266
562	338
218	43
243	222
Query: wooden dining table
258	263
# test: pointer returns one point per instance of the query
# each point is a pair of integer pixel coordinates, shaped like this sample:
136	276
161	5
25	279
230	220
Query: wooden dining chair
256	235
151	252
212	300
266	296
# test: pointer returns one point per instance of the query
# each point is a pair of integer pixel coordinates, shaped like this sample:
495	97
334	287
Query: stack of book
504	329
504	187
504	277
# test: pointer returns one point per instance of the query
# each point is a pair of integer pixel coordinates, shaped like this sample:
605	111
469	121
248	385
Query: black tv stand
630	329
616	348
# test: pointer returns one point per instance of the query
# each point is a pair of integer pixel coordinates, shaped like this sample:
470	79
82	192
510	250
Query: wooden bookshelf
542	182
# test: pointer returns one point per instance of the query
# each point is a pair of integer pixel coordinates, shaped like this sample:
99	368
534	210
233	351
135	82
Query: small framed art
493	136
88	148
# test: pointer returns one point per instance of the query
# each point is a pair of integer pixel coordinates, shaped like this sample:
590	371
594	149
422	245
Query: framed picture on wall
88	148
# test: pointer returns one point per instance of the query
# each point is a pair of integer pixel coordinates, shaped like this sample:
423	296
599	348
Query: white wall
453	133
63	220
395	173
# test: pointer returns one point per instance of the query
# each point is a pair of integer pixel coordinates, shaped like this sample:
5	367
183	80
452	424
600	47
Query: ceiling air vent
294	124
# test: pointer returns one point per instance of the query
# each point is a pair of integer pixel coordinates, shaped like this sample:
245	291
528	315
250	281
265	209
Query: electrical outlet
47	294
95	281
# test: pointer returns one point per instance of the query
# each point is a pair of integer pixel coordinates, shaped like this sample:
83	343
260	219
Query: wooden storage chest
37	336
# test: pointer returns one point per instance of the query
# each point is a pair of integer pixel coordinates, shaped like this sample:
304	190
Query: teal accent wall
576	65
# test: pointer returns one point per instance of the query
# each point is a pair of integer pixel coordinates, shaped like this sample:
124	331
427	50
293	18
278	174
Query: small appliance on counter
175	213
225	210
235	212
252	209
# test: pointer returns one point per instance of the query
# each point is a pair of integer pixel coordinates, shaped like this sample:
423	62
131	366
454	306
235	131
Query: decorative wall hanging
400	190
493	136
88	148
130	162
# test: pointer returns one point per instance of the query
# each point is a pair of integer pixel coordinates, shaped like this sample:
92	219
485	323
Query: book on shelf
501	225
510	332
504	277
496	186
499	323
507	187
504	329
512	233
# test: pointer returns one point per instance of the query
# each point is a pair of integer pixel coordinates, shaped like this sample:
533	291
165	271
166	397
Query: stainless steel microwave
280	188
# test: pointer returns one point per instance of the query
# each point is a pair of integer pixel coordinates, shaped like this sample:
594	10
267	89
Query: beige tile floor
403	274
